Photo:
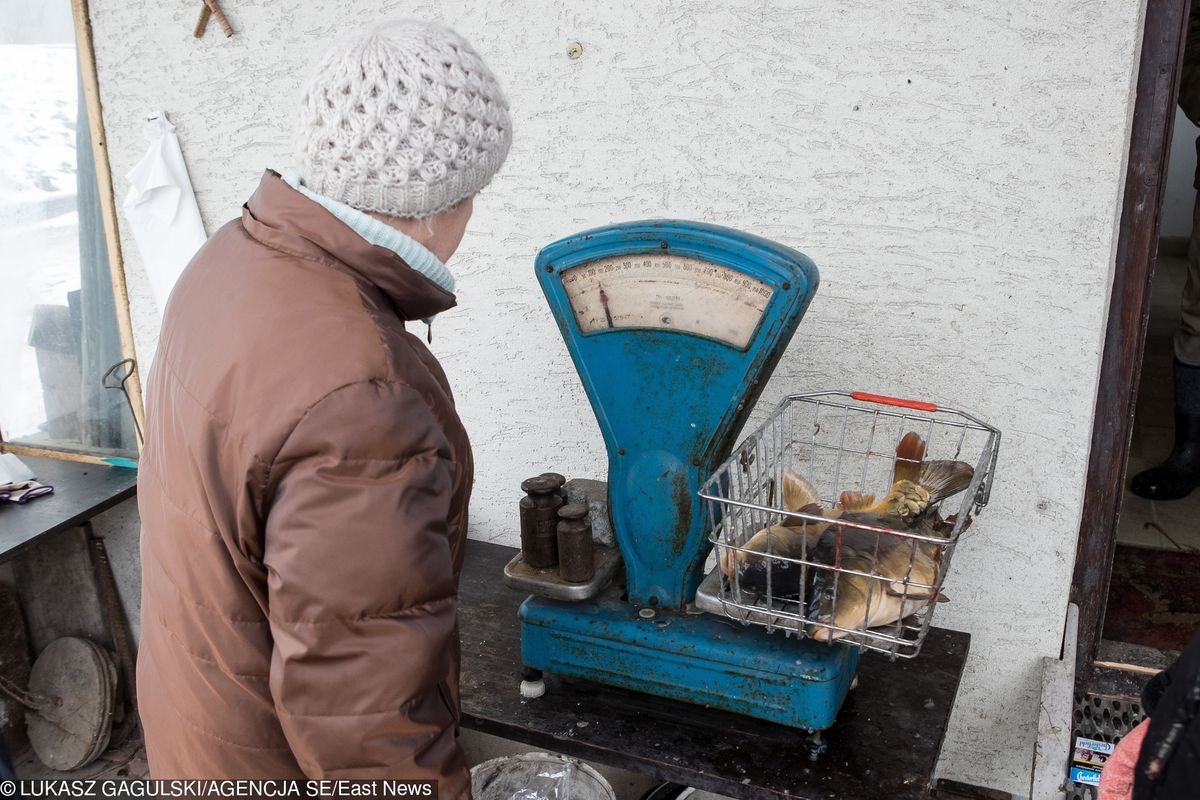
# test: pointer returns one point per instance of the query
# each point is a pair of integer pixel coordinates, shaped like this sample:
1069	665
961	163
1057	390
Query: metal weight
575	562
560	483
539	519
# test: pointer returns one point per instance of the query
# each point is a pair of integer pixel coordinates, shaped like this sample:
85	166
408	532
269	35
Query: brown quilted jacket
303	496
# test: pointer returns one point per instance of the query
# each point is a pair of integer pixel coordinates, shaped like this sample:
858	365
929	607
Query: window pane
58	332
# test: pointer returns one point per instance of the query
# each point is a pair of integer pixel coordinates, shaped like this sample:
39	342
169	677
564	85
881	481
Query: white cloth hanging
13	470
162	211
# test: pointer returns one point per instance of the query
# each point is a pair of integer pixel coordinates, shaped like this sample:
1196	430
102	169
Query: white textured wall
954	169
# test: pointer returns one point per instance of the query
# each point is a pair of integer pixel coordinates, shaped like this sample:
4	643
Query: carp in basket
903	571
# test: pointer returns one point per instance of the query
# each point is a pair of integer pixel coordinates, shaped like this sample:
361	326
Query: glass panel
58	328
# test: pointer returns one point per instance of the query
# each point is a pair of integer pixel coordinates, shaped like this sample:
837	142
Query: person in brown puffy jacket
304	486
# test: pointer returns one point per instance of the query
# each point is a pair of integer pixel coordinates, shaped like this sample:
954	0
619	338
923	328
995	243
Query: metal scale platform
674	328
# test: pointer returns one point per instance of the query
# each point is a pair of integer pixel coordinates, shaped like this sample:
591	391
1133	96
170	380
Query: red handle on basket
883	399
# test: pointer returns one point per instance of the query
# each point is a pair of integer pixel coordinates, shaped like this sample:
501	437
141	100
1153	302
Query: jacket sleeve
361	591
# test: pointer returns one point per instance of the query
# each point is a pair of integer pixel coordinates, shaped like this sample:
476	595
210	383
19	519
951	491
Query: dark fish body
899	571
903	571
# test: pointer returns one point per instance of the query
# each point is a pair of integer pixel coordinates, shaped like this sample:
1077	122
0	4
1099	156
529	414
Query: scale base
697	658
547	583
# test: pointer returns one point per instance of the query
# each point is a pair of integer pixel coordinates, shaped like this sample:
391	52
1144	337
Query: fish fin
944	527
855	501
798	492
725	560
910	452
953	519
913	593
944	479
819	634
815	510
812	528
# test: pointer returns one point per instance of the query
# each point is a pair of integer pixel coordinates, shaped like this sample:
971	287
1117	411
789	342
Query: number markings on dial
665	291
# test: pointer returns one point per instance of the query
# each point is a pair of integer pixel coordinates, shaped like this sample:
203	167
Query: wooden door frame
1125	335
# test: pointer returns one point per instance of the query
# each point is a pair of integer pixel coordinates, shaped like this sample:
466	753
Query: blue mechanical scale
674	327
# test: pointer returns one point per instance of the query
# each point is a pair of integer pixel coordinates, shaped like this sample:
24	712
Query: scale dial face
666	292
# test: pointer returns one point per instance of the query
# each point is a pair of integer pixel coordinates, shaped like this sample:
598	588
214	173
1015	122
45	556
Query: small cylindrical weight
539	518
575	544
560	484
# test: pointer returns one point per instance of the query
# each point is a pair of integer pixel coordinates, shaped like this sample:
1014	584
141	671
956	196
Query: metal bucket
538	776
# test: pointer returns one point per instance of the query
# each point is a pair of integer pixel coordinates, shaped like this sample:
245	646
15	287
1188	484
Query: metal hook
112	381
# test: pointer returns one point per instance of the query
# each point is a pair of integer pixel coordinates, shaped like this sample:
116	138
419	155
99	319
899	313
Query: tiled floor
1174	525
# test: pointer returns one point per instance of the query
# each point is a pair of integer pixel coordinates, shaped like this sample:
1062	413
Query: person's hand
1116	779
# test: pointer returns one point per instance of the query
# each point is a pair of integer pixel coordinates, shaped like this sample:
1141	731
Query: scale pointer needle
604	302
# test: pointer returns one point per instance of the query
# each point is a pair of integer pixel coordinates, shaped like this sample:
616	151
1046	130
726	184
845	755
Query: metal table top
81	491
885	743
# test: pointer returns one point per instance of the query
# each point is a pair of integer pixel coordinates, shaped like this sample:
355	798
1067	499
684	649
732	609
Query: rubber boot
1180	473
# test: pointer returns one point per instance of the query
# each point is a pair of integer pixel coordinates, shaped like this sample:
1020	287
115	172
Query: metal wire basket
810	570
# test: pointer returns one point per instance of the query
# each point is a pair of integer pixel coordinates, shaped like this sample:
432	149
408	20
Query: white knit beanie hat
404	119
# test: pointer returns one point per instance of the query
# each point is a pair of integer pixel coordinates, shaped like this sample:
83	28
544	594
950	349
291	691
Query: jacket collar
281	217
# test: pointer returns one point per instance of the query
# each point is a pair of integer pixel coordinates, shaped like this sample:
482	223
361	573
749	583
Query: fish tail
856	501
944	479
910	452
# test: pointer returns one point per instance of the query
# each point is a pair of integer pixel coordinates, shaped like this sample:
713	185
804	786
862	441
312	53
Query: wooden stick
45	452
222	20
108	207
1128	667
202	23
